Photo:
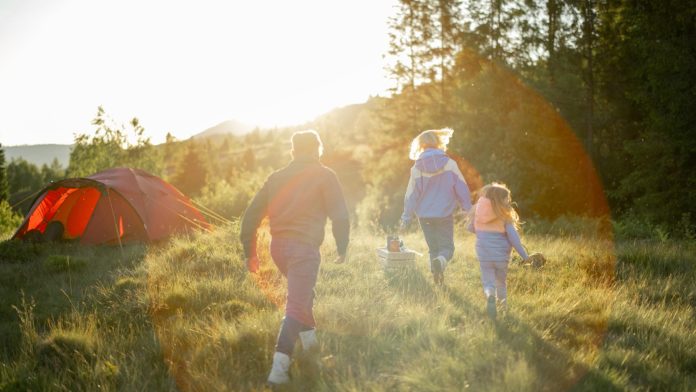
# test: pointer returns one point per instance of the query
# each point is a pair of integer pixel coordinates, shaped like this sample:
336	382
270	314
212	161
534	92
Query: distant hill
226	127
39	154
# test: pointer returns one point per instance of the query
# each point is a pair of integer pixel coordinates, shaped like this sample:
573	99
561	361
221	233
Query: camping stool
396	260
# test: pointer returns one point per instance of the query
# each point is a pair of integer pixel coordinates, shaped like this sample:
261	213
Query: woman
434	190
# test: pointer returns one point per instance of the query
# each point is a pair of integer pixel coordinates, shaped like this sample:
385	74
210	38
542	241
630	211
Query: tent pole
27	198
208	211
118	236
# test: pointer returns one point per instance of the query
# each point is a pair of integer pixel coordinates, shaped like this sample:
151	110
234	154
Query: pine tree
447	43
4	185
24	179
52	172
248	162
648	64
411	31
191	175
497	27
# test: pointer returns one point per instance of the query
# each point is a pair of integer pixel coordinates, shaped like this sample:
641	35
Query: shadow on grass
409	282
656	261
456	299
647	340
555	368
49	274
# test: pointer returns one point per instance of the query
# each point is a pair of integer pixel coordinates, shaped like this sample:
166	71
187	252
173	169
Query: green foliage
9	220
110	146
4	185
650	69
52	172
618	73
192	174
248	160
230	200
25	180
570	226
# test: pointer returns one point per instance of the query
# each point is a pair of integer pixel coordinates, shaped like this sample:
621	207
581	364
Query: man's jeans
439	235
299	263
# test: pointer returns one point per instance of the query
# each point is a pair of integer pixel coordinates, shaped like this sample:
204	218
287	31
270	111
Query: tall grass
186	315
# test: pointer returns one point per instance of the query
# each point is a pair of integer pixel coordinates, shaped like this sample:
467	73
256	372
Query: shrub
637	227
230	199
9	220
65	350
565	225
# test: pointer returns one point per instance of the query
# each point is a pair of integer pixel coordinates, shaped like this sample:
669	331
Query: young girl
495	223
435	188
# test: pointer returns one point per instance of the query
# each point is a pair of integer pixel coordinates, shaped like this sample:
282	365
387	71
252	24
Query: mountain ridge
39	154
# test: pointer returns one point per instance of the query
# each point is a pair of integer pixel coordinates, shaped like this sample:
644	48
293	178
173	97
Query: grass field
185	315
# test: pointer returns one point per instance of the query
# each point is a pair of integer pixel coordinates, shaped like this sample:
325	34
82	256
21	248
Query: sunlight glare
182	68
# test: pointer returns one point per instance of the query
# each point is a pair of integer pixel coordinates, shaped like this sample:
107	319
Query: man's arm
253	216
338	213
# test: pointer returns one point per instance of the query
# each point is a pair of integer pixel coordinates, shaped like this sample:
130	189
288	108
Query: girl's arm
411	197
514	240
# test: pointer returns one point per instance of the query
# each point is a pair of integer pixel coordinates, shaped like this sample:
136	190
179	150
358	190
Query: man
297	200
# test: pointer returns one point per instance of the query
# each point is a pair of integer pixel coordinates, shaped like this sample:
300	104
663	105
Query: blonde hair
501	201
433	138
306	143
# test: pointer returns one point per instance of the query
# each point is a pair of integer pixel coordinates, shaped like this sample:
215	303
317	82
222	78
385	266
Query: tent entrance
72	207
86	213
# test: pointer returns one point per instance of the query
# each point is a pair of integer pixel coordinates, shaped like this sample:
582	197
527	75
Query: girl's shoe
490	307
439	279
437	267
502	304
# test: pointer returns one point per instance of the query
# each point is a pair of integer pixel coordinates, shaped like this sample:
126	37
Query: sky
183	66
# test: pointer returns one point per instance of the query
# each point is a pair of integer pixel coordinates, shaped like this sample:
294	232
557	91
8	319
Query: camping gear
110	207
395	254
405	258
394	244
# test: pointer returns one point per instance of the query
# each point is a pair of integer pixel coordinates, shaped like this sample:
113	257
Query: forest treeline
583	107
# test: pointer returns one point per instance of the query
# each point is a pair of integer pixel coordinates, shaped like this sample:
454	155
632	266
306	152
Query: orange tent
114	206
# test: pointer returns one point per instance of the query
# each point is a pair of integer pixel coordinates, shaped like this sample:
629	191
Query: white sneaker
279	370
309	340
490	307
